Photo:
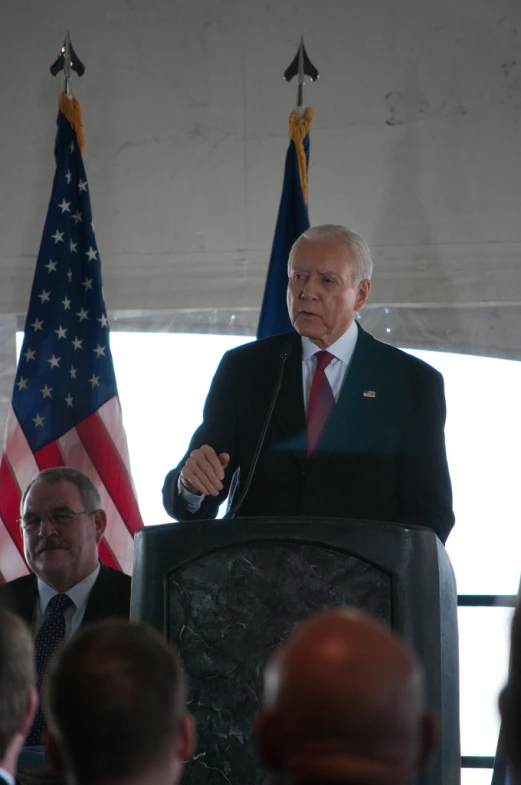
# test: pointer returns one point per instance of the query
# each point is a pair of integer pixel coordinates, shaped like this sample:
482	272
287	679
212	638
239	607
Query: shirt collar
79	593
7	777
342	348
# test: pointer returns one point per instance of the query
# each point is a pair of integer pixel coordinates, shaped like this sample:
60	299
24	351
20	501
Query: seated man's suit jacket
110	596
381	455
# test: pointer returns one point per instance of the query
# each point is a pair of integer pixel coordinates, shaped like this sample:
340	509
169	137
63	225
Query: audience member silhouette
114	700
18	696
344	703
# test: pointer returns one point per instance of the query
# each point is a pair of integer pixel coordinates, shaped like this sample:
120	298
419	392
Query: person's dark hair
89	493
17	676
113	698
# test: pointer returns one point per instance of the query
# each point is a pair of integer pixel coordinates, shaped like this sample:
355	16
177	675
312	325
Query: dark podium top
227	592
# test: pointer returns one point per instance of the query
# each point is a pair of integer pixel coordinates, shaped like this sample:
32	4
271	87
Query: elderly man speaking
358	426
62	523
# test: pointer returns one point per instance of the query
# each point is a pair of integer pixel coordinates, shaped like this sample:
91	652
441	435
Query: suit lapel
97	602
353	413
355	408
26	599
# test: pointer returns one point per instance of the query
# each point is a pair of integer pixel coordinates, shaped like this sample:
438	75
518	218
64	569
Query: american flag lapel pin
369	393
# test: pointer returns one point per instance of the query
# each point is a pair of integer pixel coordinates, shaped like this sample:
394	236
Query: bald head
343	700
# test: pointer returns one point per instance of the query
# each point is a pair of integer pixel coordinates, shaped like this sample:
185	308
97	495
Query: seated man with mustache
62	523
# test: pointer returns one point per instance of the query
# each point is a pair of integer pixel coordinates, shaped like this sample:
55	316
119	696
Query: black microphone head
285	350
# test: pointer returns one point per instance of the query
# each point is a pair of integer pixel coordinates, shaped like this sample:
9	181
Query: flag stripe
12	563
105	457
10	504
106	555
112	418
23	465
117	535
49	457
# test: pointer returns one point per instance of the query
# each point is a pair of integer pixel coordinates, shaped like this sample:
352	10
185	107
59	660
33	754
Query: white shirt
7	777
336	372
73	616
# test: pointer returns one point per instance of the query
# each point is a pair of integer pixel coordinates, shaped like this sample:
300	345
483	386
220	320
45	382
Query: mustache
52	544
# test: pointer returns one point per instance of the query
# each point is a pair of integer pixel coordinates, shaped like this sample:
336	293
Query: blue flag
292	220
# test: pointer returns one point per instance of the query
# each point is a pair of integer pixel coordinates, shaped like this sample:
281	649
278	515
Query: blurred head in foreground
344	702
18	696
115	706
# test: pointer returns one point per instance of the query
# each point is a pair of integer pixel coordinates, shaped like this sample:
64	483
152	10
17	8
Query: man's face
61	549
322	294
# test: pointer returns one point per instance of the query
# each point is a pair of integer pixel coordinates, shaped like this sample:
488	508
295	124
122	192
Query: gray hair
355	243
89	493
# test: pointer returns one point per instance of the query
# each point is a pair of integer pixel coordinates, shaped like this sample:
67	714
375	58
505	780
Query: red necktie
321	401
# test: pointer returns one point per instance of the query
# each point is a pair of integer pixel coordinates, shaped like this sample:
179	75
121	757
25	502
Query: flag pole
302	116
301	66
67	66
292	218
68	61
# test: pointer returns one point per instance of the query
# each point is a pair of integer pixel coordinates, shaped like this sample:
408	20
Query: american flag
65	407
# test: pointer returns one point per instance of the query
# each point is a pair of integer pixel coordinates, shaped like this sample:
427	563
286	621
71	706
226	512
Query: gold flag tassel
70	107
299	126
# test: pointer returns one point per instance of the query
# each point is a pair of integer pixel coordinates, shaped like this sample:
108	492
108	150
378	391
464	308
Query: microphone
285	351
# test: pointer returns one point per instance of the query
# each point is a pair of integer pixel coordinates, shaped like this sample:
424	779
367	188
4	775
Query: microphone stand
285	352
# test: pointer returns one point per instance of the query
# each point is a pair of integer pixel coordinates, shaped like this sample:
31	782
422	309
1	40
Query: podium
227	592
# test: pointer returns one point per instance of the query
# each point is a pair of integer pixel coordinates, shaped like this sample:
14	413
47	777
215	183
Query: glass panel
484	649
483	436
476	776
163	405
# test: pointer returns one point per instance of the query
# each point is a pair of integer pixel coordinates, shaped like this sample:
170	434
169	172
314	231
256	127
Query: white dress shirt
79	594
336	372
7	777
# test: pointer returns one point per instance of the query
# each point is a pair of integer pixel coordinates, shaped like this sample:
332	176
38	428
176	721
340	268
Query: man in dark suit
358	427
343	702
62	523
18	697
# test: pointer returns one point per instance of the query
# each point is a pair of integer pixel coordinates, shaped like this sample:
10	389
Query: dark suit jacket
379	458
110	596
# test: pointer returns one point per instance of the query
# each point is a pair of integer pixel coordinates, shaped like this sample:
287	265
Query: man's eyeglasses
33	521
